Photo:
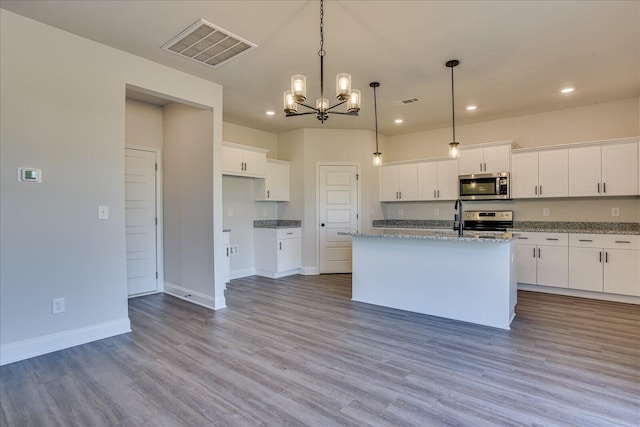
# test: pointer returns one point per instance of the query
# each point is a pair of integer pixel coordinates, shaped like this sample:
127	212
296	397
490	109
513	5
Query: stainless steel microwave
484	186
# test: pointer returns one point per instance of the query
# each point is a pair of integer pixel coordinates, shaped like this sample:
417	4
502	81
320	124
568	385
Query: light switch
103	212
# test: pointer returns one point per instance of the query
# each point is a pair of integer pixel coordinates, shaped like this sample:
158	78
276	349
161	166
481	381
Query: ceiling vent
409	101
205	43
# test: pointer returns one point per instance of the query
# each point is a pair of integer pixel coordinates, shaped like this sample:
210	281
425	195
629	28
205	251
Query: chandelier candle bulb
322	104
353	104
299	87
290	106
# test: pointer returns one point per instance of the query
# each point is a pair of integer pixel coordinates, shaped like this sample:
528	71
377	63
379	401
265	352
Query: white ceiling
514	55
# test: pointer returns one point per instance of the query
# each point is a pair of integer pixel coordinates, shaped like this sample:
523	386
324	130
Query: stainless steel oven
497	221
485	186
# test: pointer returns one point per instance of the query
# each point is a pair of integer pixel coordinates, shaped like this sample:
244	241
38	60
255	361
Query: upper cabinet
486	159
275	186
399	182
438	180
242	160
604	170
536	174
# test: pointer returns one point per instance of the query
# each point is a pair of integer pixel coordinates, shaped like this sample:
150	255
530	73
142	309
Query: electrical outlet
230	211
233	250
401	212
615	211
57	305
436	211
545	212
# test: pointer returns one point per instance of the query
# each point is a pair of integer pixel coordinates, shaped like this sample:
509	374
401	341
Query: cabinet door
526	262
620	169
524	175
553	266
497	159
255	163
408	181
471	161
226	241
584	171
553	173
289	254
277	182
585	269
447	180
428	181
622	272
232	159
389	184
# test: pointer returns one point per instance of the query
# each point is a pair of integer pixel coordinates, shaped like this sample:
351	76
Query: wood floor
296	351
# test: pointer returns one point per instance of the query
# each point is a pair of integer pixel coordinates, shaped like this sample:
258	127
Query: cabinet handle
536	190
600	256
227	251
541	190
623	241
485	167
598	188
534	252
480	166
280	245
585	240
267	194
438	194
523	238
604	187
538	252
290	232
434	194
551	238
606	257
400	194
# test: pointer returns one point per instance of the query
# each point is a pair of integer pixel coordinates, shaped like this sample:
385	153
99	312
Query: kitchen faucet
458	217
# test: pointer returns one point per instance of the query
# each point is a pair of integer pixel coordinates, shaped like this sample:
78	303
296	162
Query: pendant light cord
375	111
453	107
322	53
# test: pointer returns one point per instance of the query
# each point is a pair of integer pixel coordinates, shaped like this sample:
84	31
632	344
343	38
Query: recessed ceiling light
567	90
398	121
271	113
471	107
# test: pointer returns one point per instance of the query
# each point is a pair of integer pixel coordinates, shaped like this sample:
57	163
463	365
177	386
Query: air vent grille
205	43
409	101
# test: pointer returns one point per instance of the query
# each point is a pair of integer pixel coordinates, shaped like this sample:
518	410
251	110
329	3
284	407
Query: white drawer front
288	233
611	241
547	239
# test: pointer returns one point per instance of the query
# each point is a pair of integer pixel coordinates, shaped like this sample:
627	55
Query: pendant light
344	93
377	156
454	149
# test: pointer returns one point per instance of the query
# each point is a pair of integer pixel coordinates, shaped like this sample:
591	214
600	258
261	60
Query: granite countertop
523	226
436	235
277	223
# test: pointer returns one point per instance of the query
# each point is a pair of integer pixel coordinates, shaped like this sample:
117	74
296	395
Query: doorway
338	203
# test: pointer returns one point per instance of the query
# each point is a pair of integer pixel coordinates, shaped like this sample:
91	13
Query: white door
338	211
140	220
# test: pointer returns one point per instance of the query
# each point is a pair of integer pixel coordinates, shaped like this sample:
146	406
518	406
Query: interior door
338	211
140	221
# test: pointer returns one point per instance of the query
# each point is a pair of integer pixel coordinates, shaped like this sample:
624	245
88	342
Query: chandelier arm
308	106
302	114
346	113
334	106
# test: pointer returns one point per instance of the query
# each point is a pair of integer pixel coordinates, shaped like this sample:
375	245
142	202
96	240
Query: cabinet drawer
288	233
607	241
547	239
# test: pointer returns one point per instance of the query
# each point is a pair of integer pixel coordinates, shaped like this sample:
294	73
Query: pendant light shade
454	146
377	156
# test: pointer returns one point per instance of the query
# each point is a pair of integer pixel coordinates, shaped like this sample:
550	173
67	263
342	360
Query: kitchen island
471	278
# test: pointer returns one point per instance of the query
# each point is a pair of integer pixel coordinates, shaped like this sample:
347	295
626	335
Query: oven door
479	187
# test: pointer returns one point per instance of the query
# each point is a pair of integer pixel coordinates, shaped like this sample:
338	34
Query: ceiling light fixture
271	113
377	156
567	90
471	107
298	93
454	150
398	121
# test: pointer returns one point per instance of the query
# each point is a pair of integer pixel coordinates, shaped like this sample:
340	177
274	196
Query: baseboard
194	297
309	271
26	349
237	274
627	299
272	275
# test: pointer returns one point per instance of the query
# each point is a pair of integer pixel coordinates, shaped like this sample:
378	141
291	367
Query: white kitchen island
471	278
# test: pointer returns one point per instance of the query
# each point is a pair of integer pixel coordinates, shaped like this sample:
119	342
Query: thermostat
29	175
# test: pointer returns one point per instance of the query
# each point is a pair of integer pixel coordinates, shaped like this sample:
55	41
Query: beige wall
253	137
143	124
617	119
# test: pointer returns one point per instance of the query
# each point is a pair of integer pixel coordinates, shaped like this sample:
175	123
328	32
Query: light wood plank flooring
297	351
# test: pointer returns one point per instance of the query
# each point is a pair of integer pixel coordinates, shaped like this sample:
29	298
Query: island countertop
469	236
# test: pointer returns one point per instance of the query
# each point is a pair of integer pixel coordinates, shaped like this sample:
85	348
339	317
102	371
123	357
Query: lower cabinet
542	259
605	263
277	251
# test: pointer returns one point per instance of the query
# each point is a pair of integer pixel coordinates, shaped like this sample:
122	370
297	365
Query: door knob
322	225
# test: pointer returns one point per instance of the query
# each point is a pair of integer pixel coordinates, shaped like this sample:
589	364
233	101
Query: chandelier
298	93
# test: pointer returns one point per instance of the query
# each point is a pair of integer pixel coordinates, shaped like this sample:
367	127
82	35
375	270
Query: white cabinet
488	159
277	251
604	170
542	259
536	174
438	180
275	185
242	160
605	263
399	182
226	242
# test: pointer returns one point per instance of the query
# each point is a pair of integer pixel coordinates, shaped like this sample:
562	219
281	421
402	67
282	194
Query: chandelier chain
321	52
